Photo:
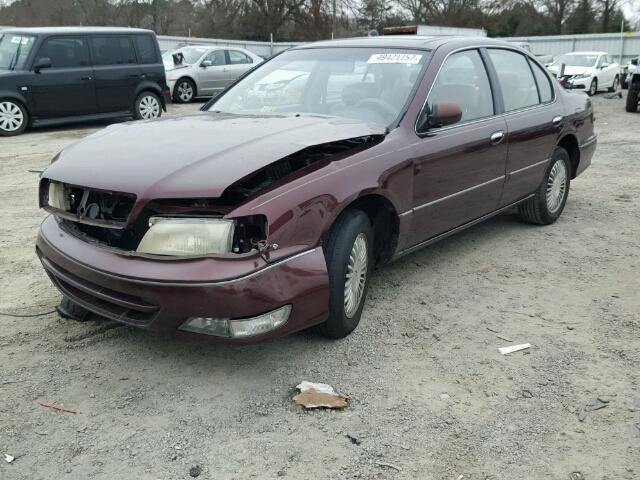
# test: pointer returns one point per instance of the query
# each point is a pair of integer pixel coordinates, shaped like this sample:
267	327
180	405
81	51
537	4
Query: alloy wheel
556	186
149	107
593	89
11	116
185	91
356	275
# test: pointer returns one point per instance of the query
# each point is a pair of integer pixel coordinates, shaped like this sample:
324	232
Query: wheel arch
192	80
4	95
384	219
150	87
570	143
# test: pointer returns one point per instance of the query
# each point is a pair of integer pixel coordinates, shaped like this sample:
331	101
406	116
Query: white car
590	72
205	71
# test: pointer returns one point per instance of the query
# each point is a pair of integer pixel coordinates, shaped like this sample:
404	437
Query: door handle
85	78
497	137
557	120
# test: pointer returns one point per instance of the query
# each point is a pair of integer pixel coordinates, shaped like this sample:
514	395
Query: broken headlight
180	236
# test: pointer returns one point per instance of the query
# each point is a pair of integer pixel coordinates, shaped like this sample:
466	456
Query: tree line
306	20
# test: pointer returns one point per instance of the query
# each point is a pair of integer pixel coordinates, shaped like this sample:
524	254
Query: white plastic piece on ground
318	395
514	348
8	458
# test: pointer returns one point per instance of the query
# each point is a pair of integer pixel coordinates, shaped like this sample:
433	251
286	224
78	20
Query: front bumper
581	84
162	295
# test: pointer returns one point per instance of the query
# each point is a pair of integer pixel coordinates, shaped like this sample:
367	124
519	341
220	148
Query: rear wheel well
570	144
385	222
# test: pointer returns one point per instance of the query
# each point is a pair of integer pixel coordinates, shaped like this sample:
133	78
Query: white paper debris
514	348
8	458
402	58
318	387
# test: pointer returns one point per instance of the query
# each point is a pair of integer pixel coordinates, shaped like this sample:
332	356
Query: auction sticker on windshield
404	58
22	40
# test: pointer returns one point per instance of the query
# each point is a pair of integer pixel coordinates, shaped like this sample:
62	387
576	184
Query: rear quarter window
113	50
146	47
544	84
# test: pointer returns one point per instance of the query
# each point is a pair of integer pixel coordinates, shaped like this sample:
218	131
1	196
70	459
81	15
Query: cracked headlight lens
179	236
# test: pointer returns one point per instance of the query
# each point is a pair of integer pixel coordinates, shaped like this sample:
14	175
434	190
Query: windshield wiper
13	64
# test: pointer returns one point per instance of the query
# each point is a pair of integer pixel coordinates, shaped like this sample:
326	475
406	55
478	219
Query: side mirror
603	65
41	64
440	114
206	64
634	62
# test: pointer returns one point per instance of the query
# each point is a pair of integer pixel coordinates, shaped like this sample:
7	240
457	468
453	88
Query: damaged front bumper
165	295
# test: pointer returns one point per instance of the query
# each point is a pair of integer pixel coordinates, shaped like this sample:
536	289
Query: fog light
241	328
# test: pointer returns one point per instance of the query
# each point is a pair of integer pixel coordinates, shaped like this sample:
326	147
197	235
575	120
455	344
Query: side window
216	57
544	86
146	48
601	60
515	77
113	50
463	79
236	57
65	52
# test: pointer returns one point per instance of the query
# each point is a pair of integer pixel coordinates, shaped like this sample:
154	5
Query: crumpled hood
194	156
572	70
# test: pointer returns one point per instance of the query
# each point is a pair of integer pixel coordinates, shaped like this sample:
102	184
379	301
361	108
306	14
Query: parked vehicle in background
265	214
205	71
60	75
629	70
590	72
633	94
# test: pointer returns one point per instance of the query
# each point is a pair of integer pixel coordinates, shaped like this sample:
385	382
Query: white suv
590	72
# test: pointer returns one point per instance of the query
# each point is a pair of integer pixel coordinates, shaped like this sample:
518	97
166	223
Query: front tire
184	91
593	88
349	256
13	118
546	206
147	106
614	86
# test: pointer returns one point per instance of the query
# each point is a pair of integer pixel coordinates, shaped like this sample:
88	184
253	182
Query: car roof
74	30
407	41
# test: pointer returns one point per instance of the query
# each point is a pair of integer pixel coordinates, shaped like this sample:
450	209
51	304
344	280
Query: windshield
577	60
14	50
370	84
191	55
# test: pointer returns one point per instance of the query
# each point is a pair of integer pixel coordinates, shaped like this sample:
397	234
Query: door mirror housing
603	65
41	64
634	62
439	115
206	63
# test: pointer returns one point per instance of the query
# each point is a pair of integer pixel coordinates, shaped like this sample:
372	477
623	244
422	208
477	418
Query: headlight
58	196
582	75
187	236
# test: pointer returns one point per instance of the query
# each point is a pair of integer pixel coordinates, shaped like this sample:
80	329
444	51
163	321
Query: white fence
264	49
622	47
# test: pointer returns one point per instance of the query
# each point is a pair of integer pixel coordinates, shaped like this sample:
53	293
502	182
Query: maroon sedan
266	212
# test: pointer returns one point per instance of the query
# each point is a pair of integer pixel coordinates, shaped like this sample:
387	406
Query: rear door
67	88
533	116
459	169
116	70
213	77
238	63
149	59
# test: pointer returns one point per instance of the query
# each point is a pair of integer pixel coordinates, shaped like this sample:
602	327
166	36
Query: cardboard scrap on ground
319	395
514	348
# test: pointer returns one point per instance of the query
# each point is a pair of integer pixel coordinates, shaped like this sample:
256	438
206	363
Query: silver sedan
205	71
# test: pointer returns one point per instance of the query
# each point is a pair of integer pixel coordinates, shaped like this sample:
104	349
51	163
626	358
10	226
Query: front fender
12	94
301	212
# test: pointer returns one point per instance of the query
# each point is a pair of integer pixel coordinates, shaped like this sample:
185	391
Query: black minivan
68	74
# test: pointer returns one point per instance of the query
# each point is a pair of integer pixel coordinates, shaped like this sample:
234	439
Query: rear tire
184	91
13	118
147	106
349	256
632	99
593	88
616	83
546	206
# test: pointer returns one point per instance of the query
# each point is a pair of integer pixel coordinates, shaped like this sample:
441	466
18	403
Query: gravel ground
430	396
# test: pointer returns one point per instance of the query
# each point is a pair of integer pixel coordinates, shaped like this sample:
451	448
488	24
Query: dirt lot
430	396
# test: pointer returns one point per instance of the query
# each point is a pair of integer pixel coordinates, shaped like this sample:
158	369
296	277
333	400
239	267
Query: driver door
212	78
459	170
